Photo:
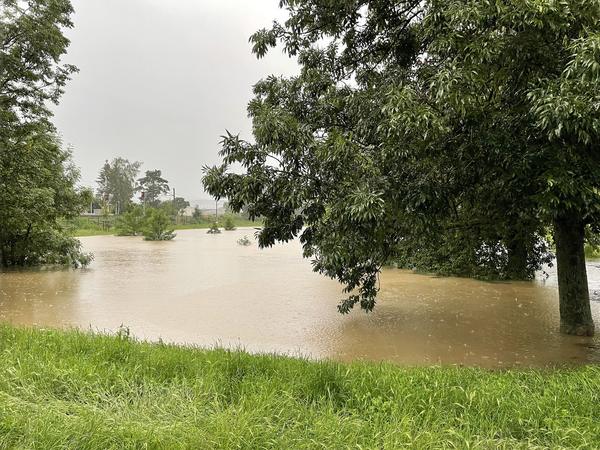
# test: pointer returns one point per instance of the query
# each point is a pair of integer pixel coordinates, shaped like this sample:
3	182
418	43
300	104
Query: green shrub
229	224
214	228
46	246
592	251
158	226
131	223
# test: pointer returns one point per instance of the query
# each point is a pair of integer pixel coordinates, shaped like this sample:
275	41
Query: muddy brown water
206	290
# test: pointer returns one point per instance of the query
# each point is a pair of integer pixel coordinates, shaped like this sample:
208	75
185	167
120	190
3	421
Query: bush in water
214	228
132	222
158	226
229	224
244	241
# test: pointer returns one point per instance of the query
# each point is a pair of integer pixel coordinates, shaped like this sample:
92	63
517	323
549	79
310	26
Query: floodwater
208	290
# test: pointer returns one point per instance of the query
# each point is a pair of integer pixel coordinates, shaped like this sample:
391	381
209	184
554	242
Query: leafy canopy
430	130
158	226
152	185
116	182
37	178
132	222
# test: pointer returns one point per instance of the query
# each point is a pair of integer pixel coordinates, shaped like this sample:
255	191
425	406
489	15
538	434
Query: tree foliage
31	44
37	178
228	223
197	214
180	204
132	222
214	228
158	226
116	182
152	185
423	132
175	207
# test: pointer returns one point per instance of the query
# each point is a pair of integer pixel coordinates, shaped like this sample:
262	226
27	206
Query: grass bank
592	251
239	222
80	391
101	226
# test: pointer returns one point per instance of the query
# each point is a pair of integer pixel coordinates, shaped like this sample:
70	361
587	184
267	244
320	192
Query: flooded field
206	289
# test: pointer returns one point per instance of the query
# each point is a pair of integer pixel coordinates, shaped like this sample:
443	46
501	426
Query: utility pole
173	208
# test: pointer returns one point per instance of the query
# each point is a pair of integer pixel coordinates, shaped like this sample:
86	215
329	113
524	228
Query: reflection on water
206	289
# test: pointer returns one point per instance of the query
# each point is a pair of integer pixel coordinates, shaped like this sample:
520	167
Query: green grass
91	226
239	222
82	232
86	226
71	390
592	251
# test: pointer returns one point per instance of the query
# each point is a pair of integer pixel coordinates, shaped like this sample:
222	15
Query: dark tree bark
574	298
516	267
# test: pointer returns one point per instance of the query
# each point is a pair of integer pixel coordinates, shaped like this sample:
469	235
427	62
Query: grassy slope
82	232
91	229
74	390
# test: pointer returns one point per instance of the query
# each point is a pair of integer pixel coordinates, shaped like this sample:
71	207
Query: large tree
37	178
466	123
116	182
151	186
531	68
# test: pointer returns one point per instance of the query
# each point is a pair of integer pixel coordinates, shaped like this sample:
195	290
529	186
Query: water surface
206	289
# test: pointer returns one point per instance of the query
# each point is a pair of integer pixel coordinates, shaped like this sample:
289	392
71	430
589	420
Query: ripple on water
205	289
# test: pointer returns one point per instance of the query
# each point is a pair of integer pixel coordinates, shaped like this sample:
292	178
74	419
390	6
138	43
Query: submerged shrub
132	222
245	242
229	224
46	246
158	226
214	228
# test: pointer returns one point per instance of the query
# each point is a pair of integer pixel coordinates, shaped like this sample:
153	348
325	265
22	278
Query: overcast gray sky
160	81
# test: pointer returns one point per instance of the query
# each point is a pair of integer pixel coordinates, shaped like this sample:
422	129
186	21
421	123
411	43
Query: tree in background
37	177
175	207
116	182
180	204
197	214
152	185
242	212
470	125
158	226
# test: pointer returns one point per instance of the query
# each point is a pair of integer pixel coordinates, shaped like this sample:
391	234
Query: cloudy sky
160	81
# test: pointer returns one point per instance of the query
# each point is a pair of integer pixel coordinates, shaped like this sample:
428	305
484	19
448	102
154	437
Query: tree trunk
574	298
516	267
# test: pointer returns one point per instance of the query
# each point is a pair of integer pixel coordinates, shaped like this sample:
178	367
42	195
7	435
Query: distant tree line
117	184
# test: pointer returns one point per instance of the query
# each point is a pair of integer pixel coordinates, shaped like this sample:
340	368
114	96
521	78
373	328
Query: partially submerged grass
592	251
80	391
85	226
237	222
83	232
